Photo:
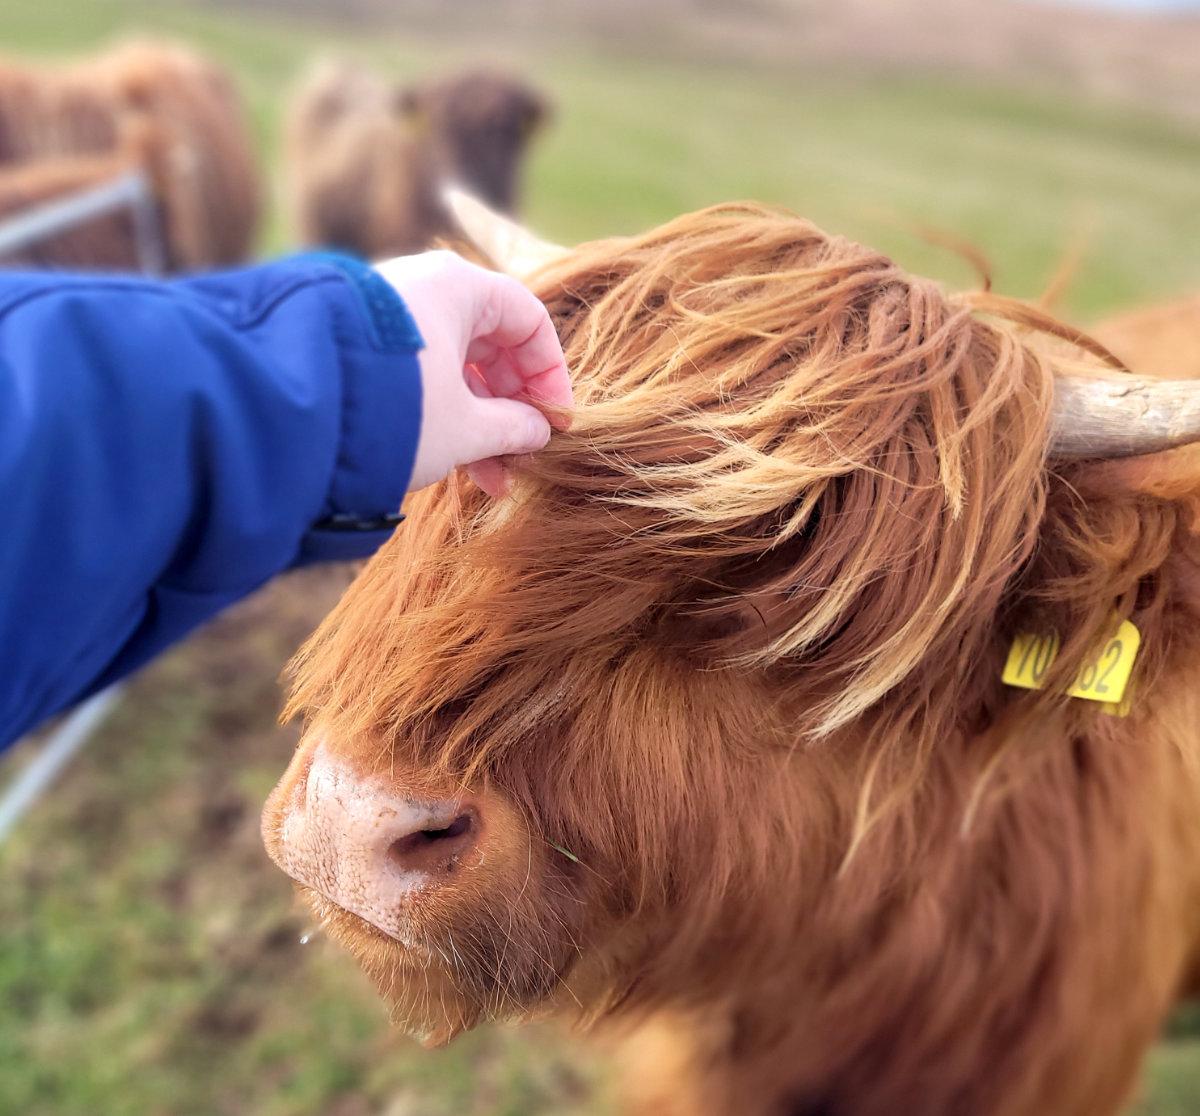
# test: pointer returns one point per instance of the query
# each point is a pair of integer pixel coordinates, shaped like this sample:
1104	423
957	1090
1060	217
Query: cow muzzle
370	845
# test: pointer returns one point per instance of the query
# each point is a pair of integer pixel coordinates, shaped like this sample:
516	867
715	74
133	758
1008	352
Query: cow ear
511	247
1172	476
536	113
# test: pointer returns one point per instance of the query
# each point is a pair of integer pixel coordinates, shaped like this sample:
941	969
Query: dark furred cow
367	159
146	106
702	731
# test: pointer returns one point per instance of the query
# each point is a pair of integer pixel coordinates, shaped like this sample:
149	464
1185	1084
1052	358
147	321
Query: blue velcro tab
392	324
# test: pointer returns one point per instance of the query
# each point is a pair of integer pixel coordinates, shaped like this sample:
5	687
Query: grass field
150	959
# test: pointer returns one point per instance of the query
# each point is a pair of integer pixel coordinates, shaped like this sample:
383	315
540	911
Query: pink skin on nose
337	838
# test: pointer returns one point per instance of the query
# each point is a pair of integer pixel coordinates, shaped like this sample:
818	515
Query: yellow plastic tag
1103	678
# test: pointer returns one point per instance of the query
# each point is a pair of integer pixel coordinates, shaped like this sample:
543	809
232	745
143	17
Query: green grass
150	958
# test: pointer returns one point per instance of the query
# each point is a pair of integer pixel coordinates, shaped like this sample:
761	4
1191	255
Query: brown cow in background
703	729
366	159
144	106
1161	340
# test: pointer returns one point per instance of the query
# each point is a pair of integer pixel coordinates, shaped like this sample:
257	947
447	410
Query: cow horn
1093	417
1123	416
511	247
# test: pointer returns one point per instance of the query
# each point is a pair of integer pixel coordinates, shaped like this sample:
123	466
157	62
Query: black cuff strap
357	523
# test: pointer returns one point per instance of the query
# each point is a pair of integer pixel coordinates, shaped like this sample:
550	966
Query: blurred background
151	961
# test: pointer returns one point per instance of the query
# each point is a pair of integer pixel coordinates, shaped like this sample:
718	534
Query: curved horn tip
511	246
1123	416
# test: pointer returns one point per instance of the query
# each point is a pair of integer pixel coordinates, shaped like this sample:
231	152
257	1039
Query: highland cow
367	160
150	107
702	732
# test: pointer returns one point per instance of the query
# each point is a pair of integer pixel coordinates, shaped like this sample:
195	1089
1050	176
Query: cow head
607	741
479	125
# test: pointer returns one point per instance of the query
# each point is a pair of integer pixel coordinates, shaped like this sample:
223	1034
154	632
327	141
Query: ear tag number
1103	678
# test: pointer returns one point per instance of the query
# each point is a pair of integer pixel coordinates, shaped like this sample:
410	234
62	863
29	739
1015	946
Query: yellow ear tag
1103	678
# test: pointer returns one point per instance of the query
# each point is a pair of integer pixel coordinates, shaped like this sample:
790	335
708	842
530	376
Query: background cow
704	729
143	106
1163	340
366	159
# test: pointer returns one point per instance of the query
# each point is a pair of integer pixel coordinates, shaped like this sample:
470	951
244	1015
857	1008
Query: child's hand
490	352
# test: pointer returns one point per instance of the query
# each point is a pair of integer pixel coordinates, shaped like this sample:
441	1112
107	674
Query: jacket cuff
381	415
323	544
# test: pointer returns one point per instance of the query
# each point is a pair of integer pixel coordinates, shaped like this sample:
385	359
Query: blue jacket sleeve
165	448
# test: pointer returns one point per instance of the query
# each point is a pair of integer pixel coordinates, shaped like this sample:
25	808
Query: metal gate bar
130	191
56	753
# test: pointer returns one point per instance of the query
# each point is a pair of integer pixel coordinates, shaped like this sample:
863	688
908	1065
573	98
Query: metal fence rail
130	191
56	753
133	192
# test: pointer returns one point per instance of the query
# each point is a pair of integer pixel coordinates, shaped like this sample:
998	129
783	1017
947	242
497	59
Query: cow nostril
434	849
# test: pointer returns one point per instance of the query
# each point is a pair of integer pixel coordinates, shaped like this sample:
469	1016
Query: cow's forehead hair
784	442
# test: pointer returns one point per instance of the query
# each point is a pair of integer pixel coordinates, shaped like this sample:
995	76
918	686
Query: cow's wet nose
367	847
431	847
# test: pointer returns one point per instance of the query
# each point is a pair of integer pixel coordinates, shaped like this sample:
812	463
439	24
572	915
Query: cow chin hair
494	961
736	637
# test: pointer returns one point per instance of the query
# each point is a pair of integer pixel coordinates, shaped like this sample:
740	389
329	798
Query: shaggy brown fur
735	643
366	159
149	106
